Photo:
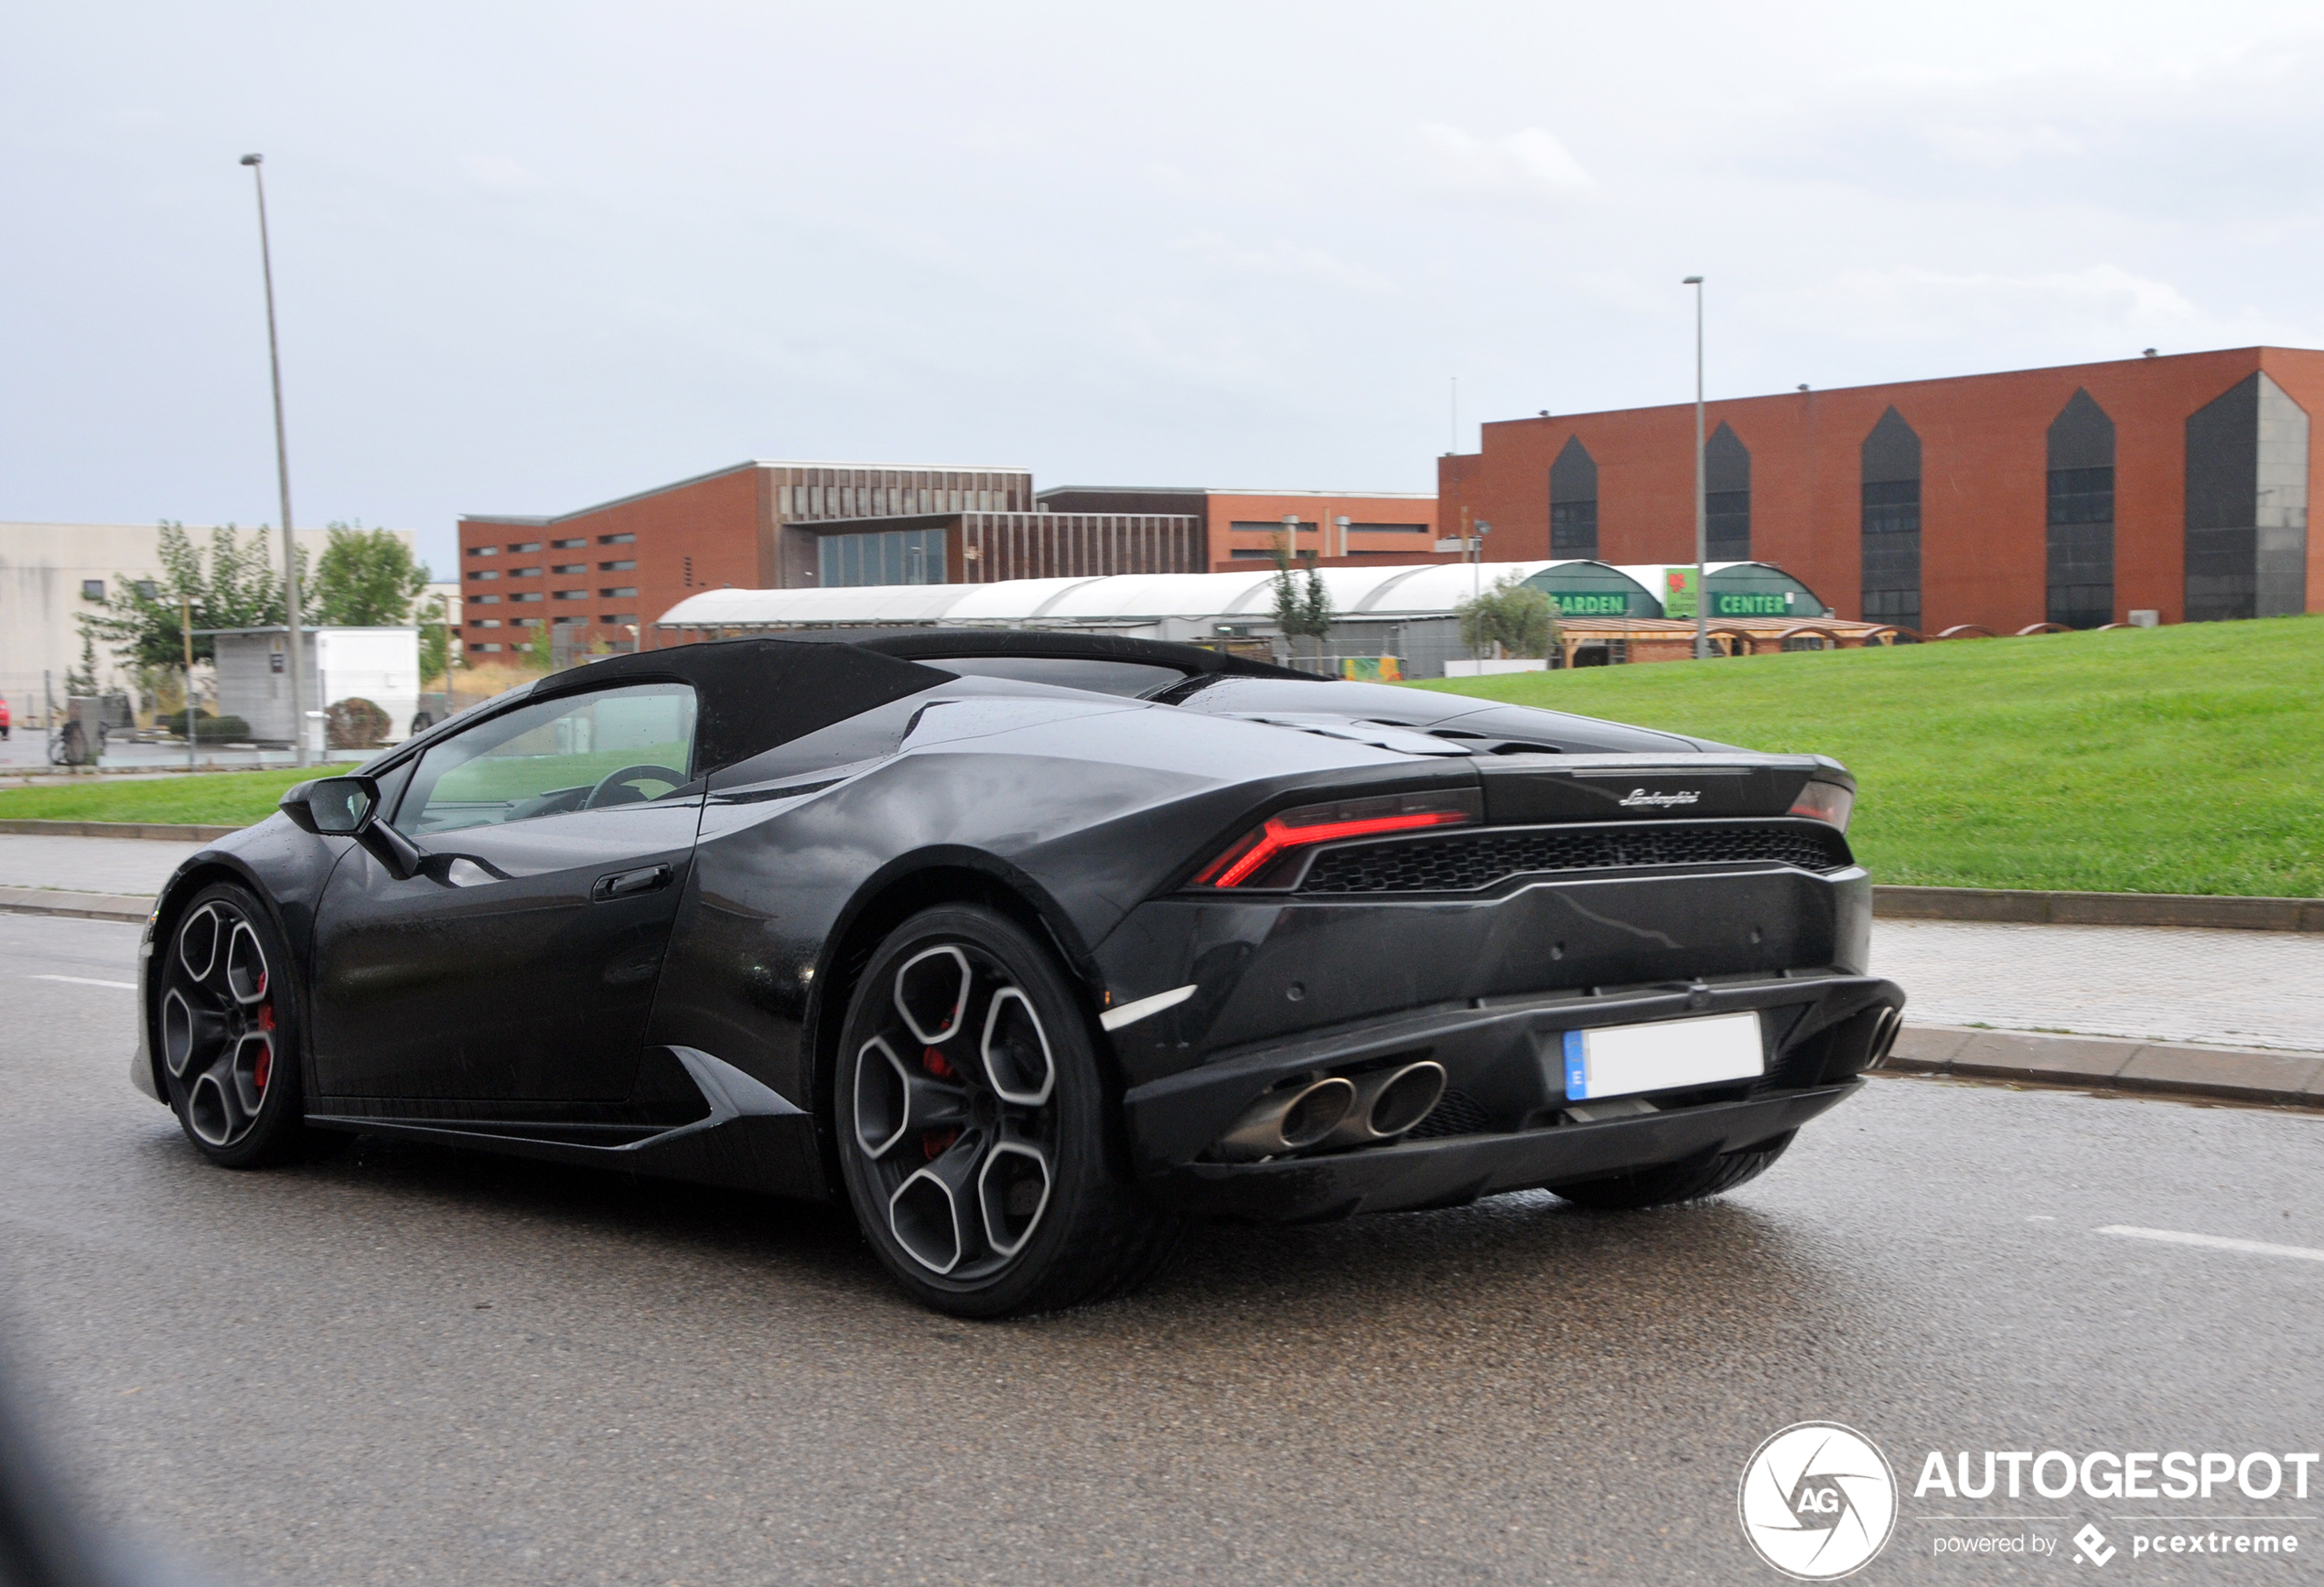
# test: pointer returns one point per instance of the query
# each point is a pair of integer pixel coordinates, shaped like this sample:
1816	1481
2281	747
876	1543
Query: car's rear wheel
225	1026
1680	1182
978	1138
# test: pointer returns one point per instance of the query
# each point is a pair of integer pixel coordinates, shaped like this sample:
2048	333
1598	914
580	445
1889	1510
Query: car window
616	746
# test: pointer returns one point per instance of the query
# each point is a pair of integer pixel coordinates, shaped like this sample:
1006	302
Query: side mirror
332	807
348	807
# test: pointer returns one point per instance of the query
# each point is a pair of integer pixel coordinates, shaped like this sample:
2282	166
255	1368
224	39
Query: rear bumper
1505	1095
1422	1173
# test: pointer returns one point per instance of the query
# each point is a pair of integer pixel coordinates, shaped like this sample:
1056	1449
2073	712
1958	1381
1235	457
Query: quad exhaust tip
1305	1113
1389	1102
1290	1118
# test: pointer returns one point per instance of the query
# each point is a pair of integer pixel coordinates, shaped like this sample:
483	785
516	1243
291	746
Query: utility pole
185	630
1702	510
291	614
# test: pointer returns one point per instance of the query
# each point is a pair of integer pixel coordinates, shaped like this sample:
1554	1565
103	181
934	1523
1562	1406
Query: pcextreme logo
1818	1501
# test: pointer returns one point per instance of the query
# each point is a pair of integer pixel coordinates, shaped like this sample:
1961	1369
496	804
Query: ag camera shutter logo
1818	1501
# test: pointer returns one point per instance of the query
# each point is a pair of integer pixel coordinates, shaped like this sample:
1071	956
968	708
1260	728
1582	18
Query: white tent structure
1403	611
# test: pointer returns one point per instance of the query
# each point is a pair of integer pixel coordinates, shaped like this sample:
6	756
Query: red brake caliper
265	1067
933	1145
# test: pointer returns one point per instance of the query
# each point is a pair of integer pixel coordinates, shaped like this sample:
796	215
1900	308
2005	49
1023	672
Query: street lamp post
1702	510
291	613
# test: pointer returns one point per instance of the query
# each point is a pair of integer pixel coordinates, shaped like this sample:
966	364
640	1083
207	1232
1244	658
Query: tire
977	1136
226	1027
1679	1182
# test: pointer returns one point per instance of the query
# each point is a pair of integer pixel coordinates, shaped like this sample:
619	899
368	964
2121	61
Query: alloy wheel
218	1023
953	1115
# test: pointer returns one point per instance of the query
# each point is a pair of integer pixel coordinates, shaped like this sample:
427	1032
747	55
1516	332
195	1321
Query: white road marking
2257	1247
86	981
1129	1014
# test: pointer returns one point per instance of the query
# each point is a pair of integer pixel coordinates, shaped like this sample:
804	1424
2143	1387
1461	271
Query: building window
573	594
567	545
2081	515
484	551
486	600
487	648
1251	553
524	573
1573	502
617	617
897	556
1890	460
616	539
1727	497
524	622
527	595
484	572
2247	504
626	592
486	622
528	545
1273	525
93	589
616	567
571	567
567	622
1388	529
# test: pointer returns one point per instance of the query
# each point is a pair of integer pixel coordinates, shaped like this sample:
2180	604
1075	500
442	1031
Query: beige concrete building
44	570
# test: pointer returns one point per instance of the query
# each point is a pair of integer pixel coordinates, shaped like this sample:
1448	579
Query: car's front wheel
1679	1182
976	1133
226	1028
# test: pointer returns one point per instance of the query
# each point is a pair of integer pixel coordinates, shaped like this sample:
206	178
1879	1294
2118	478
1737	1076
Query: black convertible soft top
936	643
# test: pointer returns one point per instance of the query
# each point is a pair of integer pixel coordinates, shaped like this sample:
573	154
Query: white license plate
1623	1060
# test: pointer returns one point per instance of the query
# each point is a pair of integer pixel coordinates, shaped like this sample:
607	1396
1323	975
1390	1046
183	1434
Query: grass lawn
2185	759
226	798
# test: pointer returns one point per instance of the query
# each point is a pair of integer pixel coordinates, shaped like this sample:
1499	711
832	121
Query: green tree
239	585
435	640
1521	619
82	680
1302	606
365	579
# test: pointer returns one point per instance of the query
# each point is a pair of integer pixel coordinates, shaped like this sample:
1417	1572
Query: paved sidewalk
89	864
2144	983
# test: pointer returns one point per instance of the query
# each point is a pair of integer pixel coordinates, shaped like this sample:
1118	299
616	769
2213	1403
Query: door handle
627	883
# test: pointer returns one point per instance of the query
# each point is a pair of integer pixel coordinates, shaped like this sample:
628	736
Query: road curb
162	830
75	905
2030	909
2232	1074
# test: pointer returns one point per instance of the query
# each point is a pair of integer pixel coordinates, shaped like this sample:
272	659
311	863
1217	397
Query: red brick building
604	573
2075	495
1241	526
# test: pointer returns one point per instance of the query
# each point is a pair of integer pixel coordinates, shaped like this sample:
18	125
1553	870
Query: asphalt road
413	1365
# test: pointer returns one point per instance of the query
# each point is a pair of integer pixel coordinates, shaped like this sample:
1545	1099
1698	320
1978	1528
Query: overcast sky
531	257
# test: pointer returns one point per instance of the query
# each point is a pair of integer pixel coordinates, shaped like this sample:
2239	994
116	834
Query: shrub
356	723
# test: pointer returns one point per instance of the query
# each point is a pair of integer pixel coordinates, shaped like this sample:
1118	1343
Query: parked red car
3	716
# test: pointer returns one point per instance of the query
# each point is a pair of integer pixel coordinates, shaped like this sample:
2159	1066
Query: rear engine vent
1471	861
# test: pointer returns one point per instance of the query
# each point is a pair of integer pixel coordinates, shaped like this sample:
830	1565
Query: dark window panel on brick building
2080	516
2246	504
1573	502
1726	496
1891	461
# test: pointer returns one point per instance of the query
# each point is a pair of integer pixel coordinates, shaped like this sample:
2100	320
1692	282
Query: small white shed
381	665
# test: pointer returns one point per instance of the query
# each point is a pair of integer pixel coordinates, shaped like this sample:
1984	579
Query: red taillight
1825	802
1253	855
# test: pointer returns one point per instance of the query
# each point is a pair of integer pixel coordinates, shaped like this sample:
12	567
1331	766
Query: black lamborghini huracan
1031	946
